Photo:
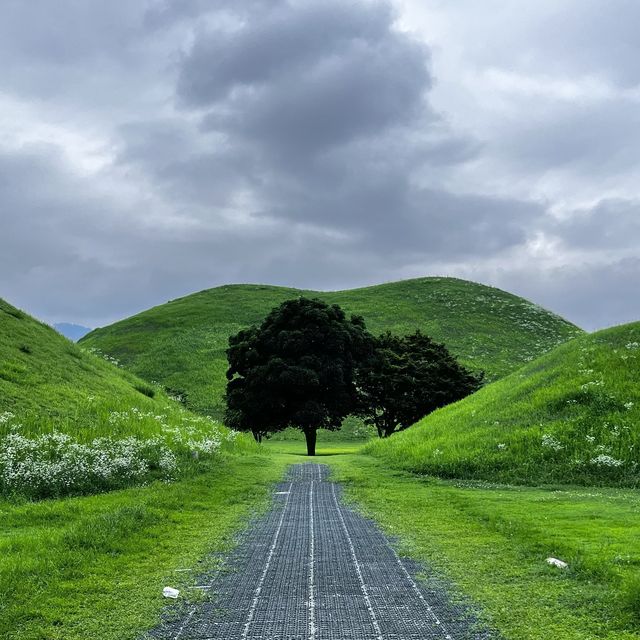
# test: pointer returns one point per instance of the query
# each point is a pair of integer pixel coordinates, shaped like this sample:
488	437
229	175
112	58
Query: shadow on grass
299	450
319	454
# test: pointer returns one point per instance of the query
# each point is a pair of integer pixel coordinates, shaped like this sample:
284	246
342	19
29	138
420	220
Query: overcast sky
151	148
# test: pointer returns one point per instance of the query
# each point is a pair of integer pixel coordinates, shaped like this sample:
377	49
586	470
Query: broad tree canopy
297	369
407	378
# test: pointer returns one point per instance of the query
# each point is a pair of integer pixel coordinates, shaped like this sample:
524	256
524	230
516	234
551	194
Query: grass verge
94	567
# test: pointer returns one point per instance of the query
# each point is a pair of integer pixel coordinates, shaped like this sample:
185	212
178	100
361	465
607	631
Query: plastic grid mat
313	569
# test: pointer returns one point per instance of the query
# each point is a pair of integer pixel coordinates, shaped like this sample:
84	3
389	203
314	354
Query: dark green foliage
408	378
295	370
177	395
145	390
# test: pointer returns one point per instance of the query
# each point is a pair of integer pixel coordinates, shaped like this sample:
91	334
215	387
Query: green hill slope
571	416
71	422
182	343
50	382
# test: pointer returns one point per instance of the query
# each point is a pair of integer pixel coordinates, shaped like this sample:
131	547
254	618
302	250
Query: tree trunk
388	430
310	436
257	436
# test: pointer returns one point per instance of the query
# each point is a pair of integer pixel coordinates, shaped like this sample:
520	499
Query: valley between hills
118	476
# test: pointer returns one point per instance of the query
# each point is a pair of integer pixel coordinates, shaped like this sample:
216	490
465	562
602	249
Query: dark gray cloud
328	104
284	42
155	147
609	225
299	81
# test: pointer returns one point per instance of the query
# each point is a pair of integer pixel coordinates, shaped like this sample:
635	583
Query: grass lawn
295	451
94	567
491	542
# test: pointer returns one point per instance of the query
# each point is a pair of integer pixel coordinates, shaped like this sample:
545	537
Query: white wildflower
606	461
6	417
593	383
550	442
56	464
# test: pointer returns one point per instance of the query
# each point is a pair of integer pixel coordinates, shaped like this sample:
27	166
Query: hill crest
182	343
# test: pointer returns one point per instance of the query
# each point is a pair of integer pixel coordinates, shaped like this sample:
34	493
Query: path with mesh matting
313	569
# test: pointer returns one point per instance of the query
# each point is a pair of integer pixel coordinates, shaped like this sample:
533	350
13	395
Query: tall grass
571	416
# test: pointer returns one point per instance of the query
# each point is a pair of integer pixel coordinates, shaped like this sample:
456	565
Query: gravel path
313	569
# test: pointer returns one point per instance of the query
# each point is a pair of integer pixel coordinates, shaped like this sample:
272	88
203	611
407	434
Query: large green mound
571	416
49	383
73	422
182	343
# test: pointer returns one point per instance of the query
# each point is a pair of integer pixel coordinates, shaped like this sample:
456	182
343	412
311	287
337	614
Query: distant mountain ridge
182	343
72	331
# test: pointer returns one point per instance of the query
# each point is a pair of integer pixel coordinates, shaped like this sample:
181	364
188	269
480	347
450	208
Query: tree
296	369
408	378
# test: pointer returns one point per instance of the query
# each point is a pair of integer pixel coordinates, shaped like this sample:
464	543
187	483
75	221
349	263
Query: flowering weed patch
56	464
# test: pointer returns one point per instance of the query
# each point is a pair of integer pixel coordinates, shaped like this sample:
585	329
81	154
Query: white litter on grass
170	592
282	493
561	564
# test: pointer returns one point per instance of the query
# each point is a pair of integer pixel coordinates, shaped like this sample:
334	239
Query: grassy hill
182	343
72	422
571	416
